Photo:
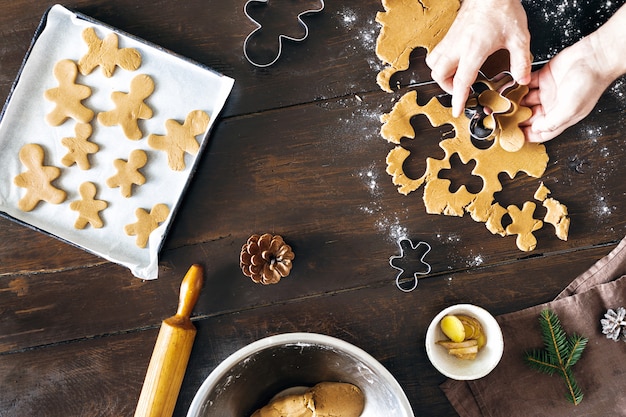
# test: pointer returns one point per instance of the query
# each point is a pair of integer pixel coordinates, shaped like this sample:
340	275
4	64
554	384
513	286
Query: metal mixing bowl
250	377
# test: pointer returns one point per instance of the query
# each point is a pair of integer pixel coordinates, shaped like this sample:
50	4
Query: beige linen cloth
514	389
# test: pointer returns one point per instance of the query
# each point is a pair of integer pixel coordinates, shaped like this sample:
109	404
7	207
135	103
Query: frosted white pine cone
614	324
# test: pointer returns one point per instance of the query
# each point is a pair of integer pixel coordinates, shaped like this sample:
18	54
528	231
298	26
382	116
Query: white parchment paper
180	87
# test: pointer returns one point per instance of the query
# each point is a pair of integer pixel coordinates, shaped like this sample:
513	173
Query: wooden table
296	152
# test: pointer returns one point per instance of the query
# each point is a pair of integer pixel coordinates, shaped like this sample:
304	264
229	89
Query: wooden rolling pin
171	353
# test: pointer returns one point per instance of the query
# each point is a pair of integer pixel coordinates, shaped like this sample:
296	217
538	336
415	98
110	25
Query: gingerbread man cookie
37	179
105	53
88	207
68	96
181	138
79	147
130	107
146	223
128	172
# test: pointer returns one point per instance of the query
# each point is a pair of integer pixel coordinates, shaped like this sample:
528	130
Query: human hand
568	87
481	28
562	93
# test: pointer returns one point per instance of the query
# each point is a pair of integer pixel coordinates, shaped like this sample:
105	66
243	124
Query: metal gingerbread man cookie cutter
281	36
407	245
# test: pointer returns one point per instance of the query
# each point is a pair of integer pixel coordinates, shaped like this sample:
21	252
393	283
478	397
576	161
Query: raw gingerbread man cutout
88	207
105	53
68	96
79	147
129	107
180	138
146	223
128	172
37	179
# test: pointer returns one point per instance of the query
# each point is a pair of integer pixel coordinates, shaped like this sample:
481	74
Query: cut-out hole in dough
460	174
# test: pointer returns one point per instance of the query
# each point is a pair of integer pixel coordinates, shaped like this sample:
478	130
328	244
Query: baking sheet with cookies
107	176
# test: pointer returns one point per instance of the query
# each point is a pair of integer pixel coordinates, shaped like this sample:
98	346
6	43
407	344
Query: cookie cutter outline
402	270
474	111
500	83
281	37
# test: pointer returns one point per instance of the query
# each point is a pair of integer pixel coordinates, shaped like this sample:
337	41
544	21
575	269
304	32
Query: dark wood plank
388	324
297	152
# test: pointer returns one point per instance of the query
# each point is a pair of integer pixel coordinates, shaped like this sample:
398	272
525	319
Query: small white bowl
461	369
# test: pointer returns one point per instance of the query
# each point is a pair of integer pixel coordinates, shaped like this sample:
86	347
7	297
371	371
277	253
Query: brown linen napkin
514	389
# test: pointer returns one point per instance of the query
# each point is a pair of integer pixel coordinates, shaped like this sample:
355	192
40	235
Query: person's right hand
481	28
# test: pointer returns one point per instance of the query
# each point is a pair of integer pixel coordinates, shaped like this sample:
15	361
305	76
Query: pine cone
614	323
266	258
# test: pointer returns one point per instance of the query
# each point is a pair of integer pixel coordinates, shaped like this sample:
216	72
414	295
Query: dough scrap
556	213
180	139
146	223
37	179
130	107
79	147
326	399
406	25
557	217
68	96
128	172
88	207
105	53
409	24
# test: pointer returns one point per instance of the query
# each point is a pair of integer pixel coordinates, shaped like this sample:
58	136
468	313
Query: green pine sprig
560	353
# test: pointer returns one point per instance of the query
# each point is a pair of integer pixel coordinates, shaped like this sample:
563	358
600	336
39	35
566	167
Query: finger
531	135
521	69
534	79
463	80
537	111
444	67
531	99
432	58
521	59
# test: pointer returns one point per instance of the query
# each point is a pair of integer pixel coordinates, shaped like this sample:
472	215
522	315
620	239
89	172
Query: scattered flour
390	225
476	261
368	30
563	22
370	178
450	238
393	228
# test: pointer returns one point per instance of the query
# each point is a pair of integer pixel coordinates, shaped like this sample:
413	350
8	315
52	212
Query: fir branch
560	353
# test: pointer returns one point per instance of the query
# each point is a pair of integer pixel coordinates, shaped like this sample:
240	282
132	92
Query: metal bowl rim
296	338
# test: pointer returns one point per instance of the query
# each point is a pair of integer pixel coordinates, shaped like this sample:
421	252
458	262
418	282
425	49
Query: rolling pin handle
189	291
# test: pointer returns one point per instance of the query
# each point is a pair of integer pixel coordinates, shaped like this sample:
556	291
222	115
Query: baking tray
181	86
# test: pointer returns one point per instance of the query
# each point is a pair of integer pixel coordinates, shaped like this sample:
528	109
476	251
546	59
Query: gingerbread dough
409	24
128	172
556	213
105	53
326	399
37	179
79	147
88	207
508	152
68	96
146	223
181	139
130	107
